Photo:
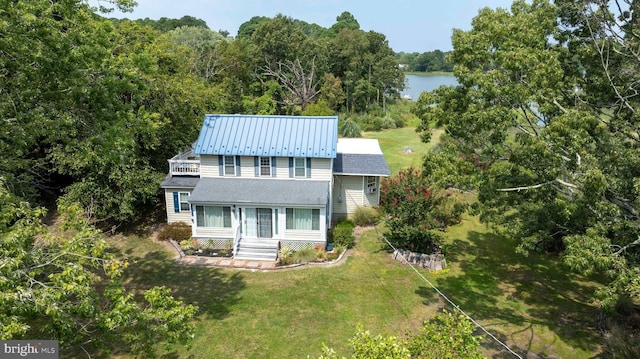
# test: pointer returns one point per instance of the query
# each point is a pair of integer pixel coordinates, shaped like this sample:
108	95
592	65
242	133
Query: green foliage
305	255
447	335
342	234
112	104
365	216
67	287
178	231
350	129
388	122
430	61
320	108
285	256
414	209
540	127
165	24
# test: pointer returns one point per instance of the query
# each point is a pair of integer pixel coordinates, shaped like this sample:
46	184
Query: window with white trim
265	166
303	219
371	185
213	216
300	167
184	201
229	165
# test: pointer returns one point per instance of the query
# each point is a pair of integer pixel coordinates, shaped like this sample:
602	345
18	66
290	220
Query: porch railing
184	167
236	241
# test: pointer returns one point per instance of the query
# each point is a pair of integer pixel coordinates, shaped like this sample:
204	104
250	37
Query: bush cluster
177	231
365	216
342	234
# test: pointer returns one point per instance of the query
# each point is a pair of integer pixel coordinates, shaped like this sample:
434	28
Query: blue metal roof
282	136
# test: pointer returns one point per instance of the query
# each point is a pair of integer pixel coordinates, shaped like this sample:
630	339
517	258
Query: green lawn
394	142
286	314
533	303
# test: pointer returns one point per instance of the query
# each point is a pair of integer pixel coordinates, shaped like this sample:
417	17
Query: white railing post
184	167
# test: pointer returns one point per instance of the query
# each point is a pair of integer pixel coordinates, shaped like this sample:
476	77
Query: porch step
257	249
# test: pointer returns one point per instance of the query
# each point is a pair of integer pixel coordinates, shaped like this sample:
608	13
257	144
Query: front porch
258	217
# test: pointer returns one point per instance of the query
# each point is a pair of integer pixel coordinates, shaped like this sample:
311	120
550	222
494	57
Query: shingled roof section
281	136
260	191
360	157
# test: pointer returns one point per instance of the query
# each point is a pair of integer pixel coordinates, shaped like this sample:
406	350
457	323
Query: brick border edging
182	255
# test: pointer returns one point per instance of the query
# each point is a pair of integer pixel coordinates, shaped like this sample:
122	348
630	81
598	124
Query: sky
409	25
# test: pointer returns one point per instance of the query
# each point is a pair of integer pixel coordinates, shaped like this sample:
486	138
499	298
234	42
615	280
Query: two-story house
256	183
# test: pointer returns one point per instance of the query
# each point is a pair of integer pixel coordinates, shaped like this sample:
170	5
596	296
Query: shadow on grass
213	290
502	289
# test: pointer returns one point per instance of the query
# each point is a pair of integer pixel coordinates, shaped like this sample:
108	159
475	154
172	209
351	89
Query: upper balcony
185	164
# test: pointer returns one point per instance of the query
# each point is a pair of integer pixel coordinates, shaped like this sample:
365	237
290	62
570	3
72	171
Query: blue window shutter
290	167
238	166
273	166
176	202
308	167
256	165
221	165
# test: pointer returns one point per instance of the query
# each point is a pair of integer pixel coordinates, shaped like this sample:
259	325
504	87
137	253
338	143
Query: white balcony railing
184	167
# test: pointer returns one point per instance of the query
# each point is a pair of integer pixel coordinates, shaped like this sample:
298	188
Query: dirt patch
357	232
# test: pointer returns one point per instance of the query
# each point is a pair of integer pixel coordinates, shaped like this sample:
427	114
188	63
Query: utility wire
380	235
449	300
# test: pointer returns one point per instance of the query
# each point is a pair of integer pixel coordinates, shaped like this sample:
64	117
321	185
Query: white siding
247	168
304	235
282	167
172	216
350	190
321	169
209	166
212	232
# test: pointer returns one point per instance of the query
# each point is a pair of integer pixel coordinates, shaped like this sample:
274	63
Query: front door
258	222
264	223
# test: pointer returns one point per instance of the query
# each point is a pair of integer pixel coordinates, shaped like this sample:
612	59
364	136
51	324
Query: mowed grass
286	313
533	304
394	142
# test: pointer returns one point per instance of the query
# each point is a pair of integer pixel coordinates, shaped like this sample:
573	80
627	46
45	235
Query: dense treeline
165	24
93	107
429	61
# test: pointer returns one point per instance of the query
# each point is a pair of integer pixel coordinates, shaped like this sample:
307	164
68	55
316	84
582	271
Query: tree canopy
67	287
544	126
429	61
93	107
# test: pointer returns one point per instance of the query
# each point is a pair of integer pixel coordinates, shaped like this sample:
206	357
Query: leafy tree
447	335
544	125
247	28
436	60
331	91
116	160
67	287
415	209
207	60
345	21
320	108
